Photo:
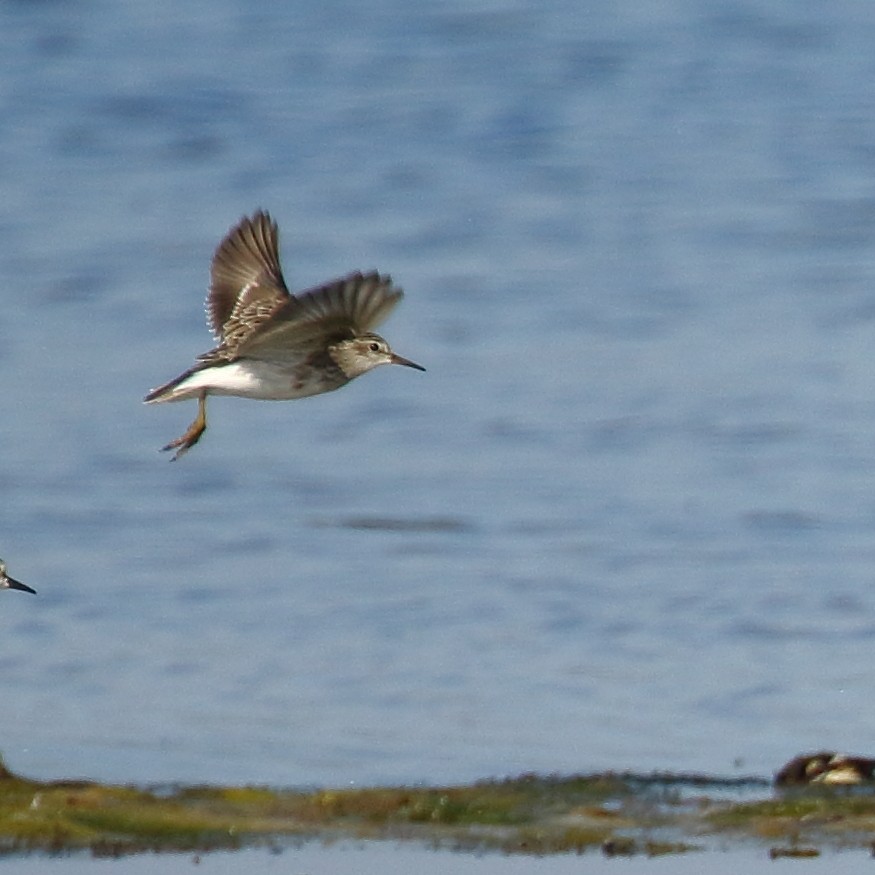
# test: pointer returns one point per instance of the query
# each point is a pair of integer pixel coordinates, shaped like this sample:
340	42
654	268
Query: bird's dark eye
374	347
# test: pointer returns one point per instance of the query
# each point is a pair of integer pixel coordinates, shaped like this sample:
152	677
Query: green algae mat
614	813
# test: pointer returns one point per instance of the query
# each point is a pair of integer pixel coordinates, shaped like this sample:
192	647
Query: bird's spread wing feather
247	284
346	307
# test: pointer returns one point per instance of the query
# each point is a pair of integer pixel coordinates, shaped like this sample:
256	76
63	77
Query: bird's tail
168	392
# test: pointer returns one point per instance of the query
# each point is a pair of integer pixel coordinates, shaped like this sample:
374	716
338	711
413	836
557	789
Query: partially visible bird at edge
273	345
7	582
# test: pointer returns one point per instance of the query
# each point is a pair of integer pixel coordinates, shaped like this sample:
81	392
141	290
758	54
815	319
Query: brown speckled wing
247	284
346	307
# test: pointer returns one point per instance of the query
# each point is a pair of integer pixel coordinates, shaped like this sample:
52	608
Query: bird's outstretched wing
247	284
343	308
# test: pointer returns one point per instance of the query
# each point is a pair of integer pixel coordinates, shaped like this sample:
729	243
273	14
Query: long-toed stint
7	582
273	345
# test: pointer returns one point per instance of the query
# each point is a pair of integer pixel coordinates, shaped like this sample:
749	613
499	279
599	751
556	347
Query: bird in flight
273	345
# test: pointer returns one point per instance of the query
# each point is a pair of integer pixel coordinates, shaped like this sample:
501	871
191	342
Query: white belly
251	379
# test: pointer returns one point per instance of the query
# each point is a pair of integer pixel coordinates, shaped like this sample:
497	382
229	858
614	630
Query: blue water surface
627	517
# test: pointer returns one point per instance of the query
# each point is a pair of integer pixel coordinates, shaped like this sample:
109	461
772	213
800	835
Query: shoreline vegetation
609	813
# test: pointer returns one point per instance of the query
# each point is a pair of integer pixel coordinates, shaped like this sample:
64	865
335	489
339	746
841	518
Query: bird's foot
192	435
183	444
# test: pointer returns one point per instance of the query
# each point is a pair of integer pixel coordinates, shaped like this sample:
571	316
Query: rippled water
377	859
625	520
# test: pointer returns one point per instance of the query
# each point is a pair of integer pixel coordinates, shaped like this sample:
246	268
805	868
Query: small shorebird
7	582
273	345
826	767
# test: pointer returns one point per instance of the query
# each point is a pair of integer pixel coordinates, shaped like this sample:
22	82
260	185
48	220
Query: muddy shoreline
610	813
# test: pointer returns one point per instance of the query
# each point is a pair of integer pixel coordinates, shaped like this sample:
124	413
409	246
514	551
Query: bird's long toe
192	435
182	444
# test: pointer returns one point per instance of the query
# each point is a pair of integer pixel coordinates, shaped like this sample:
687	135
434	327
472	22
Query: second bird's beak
12	583
400	360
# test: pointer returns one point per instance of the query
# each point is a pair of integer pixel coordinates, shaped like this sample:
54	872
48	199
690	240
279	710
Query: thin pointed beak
400	360
12	583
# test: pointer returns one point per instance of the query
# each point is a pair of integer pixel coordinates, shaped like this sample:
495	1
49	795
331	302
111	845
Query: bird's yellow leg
193	433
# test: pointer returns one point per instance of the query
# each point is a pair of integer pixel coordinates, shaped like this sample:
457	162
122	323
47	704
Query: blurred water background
627	517
378	858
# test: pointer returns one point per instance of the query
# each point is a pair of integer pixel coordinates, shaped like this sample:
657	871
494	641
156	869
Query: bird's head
7	582
358	355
